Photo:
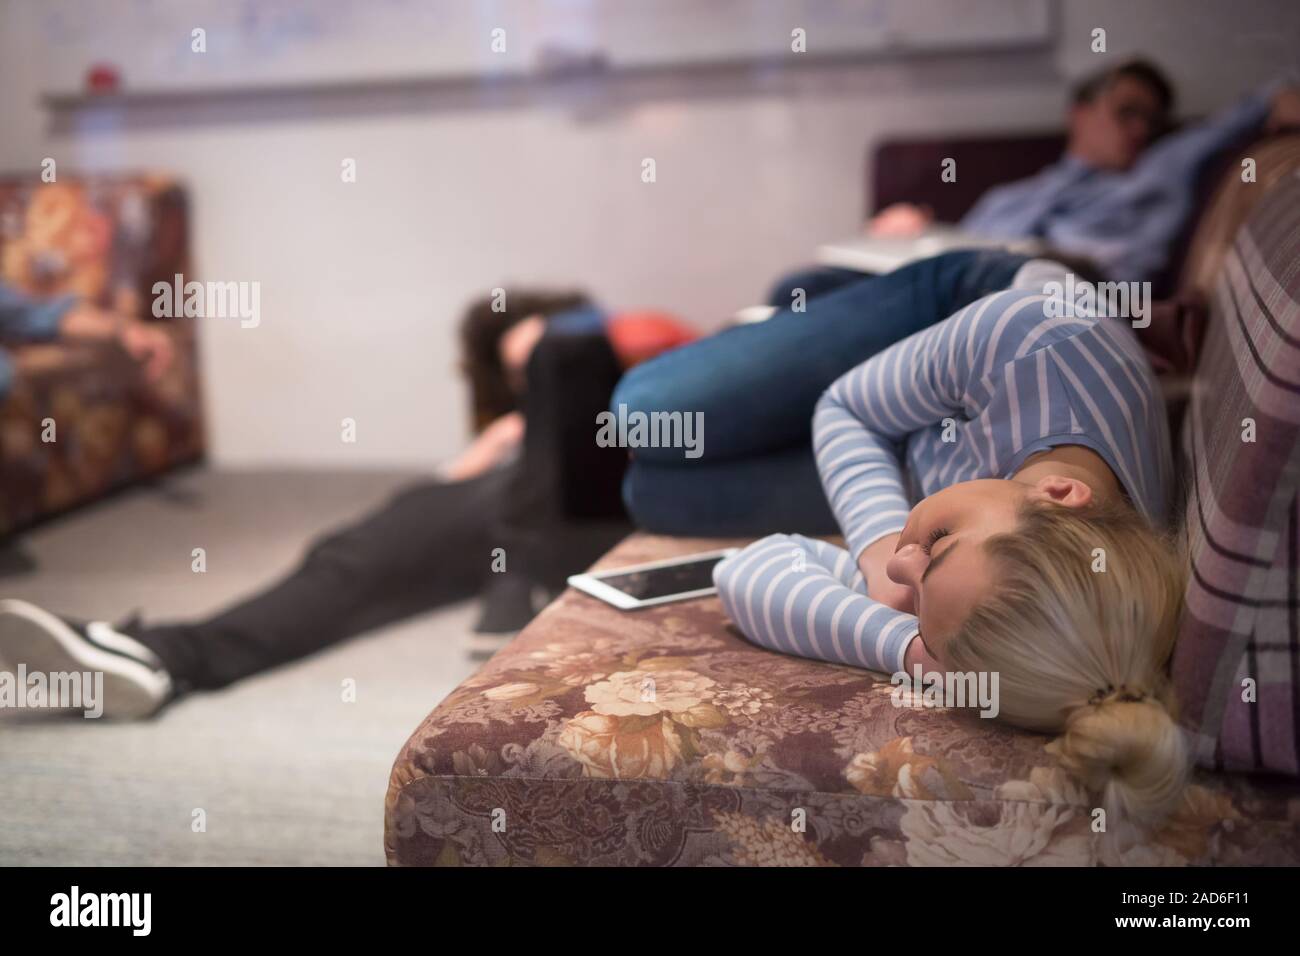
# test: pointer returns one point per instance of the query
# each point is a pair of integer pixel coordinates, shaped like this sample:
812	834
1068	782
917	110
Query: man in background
1121	195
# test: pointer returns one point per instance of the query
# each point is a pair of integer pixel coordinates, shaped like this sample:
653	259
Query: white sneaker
135	682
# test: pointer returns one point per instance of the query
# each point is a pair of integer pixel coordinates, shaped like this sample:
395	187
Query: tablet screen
691	575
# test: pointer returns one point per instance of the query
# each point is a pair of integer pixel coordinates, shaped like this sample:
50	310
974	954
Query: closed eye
933	538
939	560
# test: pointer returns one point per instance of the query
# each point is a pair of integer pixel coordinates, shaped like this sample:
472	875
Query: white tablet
658	582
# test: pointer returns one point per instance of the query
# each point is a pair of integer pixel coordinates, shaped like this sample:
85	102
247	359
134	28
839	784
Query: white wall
458	192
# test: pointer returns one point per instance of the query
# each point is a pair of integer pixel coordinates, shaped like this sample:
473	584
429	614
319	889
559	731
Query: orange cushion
643	334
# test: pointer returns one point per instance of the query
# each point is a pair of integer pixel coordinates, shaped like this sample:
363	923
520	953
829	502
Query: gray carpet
285	771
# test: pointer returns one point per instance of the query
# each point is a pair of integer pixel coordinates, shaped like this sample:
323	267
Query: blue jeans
813	282
756	387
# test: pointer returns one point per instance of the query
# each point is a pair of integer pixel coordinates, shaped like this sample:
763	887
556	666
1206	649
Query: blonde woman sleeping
1033	434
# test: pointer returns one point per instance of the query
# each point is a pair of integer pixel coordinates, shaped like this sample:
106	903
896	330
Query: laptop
880	254
876	255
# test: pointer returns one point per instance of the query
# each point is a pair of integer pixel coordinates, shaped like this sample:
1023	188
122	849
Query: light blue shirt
1124	221
24	319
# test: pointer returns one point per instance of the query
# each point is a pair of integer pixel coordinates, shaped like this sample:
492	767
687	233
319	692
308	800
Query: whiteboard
259	43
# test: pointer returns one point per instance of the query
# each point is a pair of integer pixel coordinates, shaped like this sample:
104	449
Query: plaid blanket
1237	662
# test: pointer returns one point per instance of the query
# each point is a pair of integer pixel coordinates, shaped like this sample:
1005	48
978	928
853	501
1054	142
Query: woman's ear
1070	492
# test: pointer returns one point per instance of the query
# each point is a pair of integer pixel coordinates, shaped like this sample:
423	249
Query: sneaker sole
35	637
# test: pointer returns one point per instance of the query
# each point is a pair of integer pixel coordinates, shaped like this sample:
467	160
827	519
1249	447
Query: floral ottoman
550	756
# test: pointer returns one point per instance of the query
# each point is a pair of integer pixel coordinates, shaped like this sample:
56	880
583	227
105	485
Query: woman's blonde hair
1080	629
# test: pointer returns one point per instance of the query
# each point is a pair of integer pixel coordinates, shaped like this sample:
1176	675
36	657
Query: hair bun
1126	746
1122	693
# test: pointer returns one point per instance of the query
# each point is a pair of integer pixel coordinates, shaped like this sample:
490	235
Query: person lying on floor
1033	433
1118	197
533	483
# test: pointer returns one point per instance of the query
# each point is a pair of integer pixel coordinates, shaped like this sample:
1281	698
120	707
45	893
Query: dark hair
481	330
1144	71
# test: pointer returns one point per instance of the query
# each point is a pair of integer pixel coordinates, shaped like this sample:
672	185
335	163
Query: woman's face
941	554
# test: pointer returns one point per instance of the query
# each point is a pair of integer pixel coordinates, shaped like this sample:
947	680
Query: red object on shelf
103	78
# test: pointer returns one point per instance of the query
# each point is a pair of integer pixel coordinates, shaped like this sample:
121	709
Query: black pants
554	512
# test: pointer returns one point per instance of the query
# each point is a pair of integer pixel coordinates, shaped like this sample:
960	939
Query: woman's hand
489	449
898	596
917	656
879	586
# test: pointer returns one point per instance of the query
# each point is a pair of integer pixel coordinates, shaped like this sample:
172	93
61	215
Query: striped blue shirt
1010	375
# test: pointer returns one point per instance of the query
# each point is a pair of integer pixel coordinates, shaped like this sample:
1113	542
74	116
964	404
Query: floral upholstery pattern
106	239
555	754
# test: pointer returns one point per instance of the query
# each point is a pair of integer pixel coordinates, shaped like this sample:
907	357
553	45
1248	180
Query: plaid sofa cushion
1237	662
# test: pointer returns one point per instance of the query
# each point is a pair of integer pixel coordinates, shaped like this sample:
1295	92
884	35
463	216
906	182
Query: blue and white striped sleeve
860	474
864	416
806	597
945	371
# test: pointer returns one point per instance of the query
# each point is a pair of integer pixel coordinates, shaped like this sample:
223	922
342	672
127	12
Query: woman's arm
942	375
802	596
860	473
806	597
863	418
488	450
